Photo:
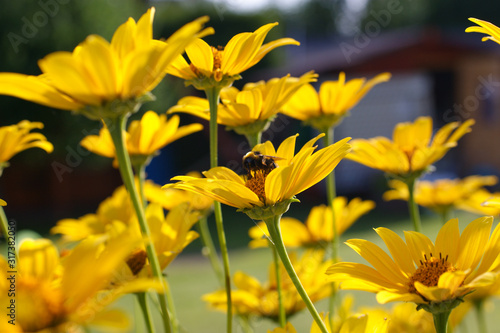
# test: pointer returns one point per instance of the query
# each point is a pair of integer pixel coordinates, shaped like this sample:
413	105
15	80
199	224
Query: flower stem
481	320
334	245
273	225
4	224
412	205
441	321
254	139
282	313
209	248
146	313
116	127
213	101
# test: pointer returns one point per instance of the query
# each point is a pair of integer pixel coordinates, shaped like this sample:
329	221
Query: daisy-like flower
144	137
481	202
253	298
434	275
17	138
219	66
62	294
487	28
318	230
332	103
411	151
294	173
249	111
441	195
101	79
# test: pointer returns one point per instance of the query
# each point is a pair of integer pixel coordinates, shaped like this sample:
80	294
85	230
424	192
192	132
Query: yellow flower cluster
128	243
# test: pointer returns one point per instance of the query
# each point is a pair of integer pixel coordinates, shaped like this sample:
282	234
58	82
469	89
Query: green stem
254	139
481	319
213	101
441	321
4	224
143	302
446	214
412	206
116	127
334	245
279	287
273	225
140	171
209	248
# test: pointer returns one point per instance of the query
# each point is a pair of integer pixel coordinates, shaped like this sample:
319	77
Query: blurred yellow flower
3	203
250	110
97	72
16	138
219	66
295	173
482	202
421	271
332	103
442	195
170	197
253	298
61	295
144	138
318	228
487	28
411	152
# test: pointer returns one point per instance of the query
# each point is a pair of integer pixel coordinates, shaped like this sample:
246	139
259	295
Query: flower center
136	261
429	271
216	69
257	184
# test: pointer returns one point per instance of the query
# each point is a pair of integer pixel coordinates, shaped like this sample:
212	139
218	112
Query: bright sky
256	5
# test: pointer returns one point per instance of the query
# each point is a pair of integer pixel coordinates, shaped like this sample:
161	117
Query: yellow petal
448	241
420	246
384	297
200	54
473	242
398	249
38	259
37	90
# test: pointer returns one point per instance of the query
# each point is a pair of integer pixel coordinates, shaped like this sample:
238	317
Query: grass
191	276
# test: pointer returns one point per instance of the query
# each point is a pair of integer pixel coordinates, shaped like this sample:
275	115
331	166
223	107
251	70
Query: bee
254	161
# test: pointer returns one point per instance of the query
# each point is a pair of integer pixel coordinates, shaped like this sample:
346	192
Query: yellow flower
170	197
97	72
60	295
143	138
485	27
421	271
253	298
294	174
411	152
3	203
481	202
443	194
220	66
250	110
332	103
16	138
115	210
318	228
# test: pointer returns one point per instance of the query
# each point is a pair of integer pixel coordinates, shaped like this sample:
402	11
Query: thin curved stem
209	248
282	313
413	207
481	319
331	193
146	313
273	225
116	129
441	321
213	101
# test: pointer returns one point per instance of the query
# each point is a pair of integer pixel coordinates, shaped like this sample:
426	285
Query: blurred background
438	70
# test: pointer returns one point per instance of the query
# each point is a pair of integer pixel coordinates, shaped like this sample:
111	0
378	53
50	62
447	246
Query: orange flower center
257	184
136	261
216	69
429	271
